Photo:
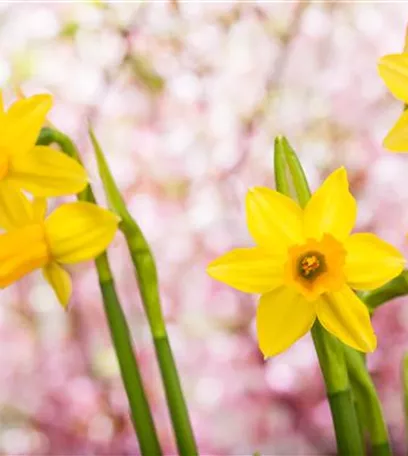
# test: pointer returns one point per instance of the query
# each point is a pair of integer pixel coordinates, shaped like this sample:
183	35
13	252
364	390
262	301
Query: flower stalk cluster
146	276
120	332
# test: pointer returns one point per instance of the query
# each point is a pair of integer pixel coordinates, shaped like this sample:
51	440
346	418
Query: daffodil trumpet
139	407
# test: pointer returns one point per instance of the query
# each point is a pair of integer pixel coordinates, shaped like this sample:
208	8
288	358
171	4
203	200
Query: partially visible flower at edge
73	233
393	69
39	170
305	265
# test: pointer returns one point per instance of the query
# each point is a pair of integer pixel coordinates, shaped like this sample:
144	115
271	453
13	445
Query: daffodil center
316	267
311	265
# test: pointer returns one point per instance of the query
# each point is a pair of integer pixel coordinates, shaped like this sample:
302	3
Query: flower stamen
316	266
311	265
308	265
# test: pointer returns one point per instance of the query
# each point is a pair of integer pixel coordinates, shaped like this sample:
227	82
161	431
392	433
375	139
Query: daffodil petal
1	102
44	171
274	220
39	206
15	209
332	209
283	317
370	261
343	314
60	281
397	138
79	231
23	107
393	69
250	270
24	120
22	251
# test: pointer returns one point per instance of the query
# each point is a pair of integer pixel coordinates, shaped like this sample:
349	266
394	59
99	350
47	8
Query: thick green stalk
332	363
382	449
393	289
119	329
329	350
146	274
367	402
141	414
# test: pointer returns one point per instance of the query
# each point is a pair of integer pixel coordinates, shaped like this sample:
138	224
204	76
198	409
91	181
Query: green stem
332	364
132	380
146	275
367	400
175	399
393	289
345	423
119	329
382	449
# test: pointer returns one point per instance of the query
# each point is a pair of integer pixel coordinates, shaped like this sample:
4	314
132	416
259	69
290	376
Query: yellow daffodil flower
40	170
305	265
393	69
73	233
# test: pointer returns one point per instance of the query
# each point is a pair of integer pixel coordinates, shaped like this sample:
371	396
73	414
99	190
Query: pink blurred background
186	98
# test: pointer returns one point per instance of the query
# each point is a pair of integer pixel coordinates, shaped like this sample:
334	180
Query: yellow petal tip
211	267
393	70
396	139
372	344
368	344
381	61
60	281
342	173
339	177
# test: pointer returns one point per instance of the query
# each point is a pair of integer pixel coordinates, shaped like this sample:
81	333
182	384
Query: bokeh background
186	98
